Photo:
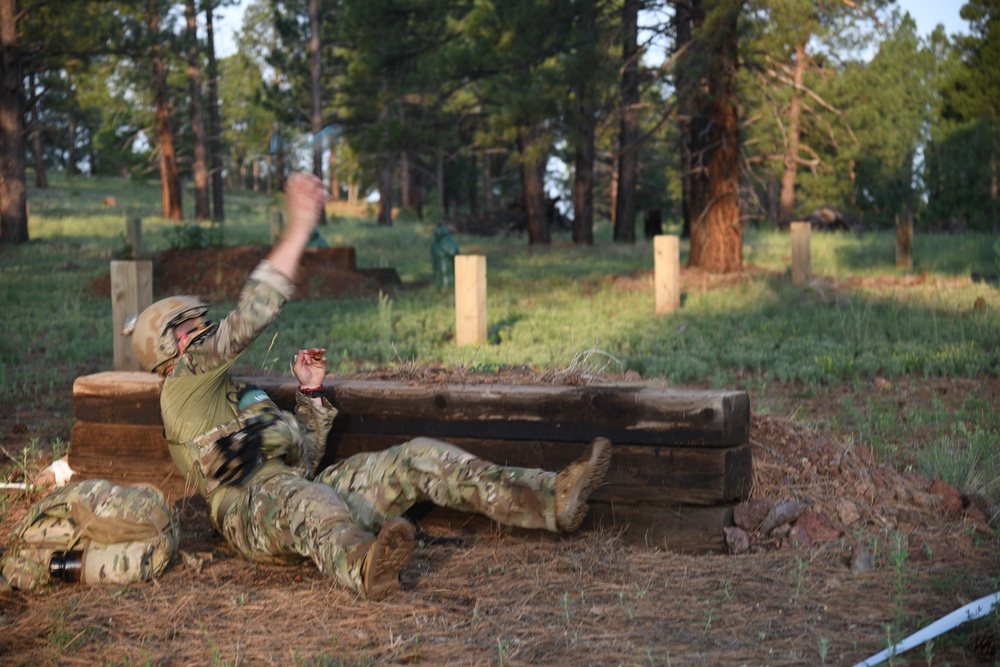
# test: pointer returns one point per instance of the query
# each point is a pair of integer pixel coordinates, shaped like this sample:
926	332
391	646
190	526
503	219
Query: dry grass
517	598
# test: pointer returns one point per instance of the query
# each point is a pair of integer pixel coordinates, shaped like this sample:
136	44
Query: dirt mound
218	274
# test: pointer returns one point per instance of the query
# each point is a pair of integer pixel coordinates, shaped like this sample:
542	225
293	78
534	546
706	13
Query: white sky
928	13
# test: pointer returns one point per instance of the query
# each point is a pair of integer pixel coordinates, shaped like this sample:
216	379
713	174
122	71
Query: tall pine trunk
199	164
583	181
786	206
533	192
316	115
629	135
214	144
13	191
170	187
713	138
41	177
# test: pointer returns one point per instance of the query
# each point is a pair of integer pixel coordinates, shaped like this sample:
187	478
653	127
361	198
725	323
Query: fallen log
681	458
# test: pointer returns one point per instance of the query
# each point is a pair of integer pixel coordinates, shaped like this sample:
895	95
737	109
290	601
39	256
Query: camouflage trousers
333	519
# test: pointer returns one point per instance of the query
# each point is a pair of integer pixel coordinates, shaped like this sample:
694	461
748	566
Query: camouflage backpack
94	532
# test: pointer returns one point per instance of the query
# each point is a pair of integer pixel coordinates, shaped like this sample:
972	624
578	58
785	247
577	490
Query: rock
798	537
847	511
951	499
749	515
782	513
817	526
861	560
737	540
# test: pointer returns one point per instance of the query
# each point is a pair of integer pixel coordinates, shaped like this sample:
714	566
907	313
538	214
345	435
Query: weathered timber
623	413
681	458
639	475
121	452
118	398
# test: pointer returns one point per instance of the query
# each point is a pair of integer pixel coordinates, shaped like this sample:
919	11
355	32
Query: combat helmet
152	329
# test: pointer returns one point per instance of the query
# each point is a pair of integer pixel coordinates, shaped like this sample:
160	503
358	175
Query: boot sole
391	552
576	506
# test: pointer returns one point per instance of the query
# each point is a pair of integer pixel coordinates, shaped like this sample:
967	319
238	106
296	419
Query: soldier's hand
309	367
304	196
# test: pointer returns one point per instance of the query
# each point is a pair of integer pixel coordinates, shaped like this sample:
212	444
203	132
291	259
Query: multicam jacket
198	401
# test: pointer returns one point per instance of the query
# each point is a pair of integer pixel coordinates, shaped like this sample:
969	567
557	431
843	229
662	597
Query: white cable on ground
969	612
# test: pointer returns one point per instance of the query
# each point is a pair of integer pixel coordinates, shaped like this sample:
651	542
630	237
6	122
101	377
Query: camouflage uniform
122	533
278	515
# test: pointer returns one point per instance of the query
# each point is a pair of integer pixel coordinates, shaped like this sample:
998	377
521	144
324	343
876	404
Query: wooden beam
626	414
681	458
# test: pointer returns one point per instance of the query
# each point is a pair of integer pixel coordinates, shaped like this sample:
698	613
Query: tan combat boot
577	481
386	558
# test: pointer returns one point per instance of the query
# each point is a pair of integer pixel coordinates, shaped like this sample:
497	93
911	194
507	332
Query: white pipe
969	612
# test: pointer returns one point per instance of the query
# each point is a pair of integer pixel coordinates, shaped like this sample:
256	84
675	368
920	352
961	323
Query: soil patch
218	274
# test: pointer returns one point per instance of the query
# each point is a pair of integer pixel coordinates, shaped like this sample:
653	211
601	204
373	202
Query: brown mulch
528	599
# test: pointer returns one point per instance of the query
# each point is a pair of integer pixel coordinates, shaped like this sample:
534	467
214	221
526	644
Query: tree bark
583	180
214	123
385	192
404	180
629	135
533	192
71	151
786	206
199	164
315	94
683	20
170	187
334	179
13	191
439	177
487	181
716	233
41	178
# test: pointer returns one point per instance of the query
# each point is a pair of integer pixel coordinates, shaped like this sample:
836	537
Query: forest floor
861	554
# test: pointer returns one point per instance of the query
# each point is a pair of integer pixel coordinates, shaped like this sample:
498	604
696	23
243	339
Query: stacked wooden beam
681	459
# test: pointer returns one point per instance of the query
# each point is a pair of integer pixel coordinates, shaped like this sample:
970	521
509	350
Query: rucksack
93	532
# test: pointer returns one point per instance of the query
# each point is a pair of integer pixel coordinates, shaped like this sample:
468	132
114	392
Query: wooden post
904	242
667	272
470	299
801	262
276	224
133	234
131	293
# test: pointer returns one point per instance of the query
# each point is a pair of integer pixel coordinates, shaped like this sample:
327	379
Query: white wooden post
667	272
131	293
470	299
801	261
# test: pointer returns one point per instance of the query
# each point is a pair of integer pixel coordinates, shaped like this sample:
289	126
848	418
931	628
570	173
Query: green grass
555	306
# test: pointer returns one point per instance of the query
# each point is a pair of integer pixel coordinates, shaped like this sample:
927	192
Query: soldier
255	464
